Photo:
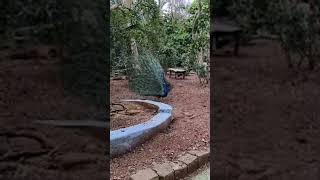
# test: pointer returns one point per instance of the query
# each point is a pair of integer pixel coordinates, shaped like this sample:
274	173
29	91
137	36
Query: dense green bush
250	15
174	40
297	30
291	21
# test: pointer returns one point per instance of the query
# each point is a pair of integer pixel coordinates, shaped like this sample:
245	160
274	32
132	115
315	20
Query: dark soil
265	117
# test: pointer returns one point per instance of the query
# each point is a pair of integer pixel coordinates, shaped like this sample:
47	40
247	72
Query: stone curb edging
125	139
181	168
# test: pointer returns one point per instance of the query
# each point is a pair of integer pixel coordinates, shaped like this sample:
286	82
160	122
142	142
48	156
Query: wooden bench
177	72
221	28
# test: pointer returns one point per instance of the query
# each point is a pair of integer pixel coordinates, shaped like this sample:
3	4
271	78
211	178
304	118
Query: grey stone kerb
125	139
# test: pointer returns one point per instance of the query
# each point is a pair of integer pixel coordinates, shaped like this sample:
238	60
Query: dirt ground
128	114
189	129
31	89
265	122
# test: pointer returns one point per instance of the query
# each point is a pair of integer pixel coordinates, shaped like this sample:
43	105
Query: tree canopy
172	39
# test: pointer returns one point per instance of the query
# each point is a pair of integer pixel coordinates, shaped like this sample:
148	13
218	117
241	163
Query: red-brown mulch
189	129
129	114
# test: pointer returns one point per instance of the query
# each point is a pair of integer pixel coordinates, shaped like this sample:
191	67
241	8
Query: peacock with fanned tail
147	77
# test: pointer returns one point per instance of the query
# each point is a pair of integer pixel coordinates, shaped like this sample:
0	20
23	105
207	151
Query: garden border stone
125	139
190	160
146	174
184	166
165	171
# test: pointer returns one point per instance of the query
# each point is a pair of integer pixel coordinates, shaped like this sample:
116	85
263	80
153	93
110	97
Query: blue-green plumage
147	77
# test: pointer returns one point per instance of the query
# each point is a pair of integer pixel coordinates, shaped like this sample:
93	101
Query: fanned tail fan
147	77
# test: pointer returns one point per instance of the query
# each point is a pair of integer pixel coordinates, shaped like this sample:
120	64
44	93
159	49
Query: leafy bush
297	30
250	15
175	41
291	21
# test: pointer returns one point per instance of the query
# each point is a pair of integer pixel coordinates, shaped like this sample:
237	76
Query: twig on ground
117	110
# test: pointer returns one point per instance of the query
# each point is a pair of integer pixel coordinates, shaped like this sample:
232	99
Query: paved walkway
202	174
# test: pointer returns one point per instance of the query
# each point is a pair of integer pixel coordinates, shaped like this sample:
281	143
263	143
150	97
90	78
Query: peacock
147	77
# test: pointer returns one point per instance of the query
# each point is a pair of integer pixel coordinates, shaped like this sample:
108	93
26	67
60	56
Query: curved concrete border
125	139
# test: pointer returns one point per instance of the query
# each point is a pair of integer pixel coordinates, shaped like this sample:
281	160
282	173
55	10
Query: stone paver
203	156
180	169
190	161
165	171
146	174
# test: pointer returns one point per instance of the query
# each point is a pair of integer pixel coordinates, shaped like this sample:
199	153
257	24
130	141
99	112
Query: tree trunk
133	44
200	56
171	7
134	49
196	20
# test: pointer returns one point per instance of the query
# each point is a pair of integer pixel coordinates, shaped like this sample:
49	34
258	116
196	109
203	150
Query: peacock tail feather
147	77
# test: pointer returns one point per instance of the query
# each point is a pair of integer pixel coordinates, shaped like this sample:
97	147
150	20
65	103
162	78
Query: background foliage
173	39
295	23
